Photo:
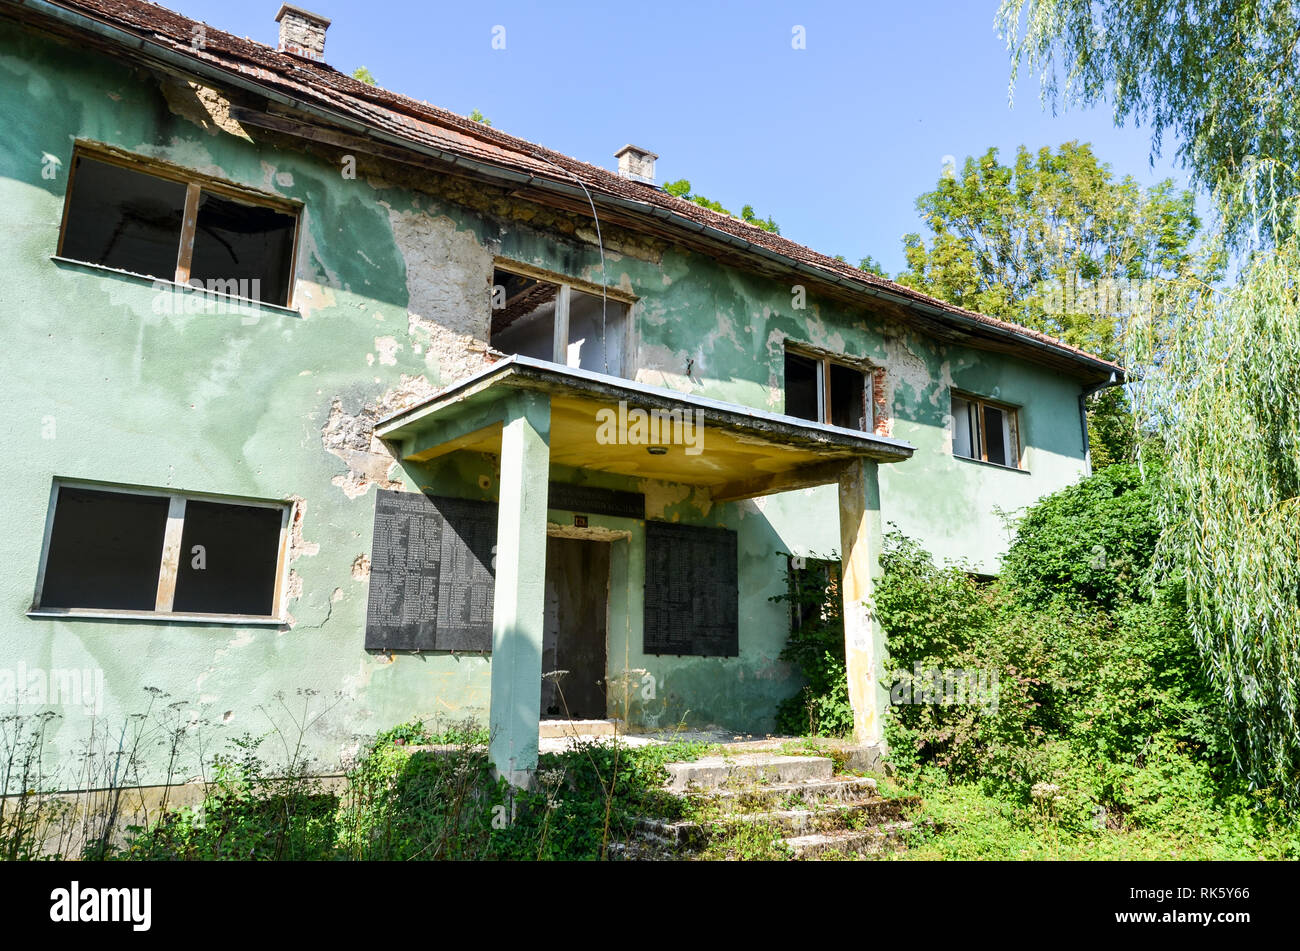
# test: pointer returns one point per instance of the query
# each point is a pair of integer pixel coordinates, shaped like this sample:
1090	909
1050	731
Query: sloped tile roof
321	86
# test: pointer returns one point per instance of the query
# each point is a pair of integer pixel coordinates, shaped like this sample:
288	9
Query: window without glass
105	550
985	431
122	218
239	247
556	322
122	550
814	590
824	391
154	221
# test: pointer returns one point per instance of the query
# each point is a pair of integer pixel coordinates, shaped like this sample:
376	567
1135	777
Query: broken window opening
243	250
803	392
985	431
826	391
228	559
558	323
123	218
164	226
156	553
847	397
104	550
814	590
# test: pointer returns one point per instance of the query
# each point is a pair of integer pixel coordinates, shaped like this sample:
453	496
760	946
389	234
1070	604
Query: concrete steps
815	813
712	772
561	729
833	817
865	842
826	820
835	789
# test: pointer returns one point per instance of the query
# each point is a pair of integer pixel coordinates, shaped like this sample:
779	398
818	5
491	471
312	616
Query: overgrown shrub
816	647
1092	541
1094	681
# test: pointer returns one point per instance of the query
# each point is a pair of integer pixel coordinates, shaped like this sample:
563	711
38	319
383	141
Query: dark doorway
577	600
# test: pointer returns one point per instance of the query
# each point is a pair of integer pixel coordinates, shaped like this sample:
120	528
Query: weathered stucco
394	273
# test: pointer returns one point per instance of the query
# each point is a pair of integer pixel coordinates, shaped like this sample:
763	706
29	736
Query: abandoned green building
314	387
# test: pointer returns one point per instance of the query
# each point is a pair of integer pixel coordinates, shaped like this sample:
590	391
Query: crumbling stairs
819	814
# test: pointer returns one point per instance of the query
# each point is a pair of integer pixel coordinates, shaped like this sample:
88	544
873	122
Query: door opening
574	638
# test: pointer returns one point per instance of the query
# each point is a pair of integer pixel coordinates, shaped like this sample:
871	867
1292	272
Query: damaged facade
437	324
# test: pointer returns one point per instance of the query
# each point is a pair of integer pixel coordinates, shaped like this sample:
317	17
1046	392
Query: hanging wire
600	243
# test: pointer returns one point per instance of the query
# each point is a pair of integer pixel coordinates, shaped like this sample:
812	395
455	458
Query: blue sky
834	141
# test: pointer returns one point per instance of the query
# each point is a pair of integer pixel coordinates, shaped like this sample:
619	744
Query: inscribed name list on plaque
431	573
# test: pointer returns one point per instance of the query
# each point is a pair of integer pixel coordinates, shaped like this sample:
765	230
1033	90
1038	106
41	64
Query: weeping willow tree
1221	78
1218	369
1220	387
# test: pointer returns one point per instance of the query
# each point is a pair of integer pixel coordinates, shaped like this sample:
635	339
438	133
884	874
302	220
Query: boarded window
132	217
985	431
107	550
691	591
826	391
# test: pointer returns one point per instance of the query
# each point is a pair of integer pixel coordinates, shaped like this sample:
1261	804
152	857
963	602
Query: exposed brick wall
302	36
880	403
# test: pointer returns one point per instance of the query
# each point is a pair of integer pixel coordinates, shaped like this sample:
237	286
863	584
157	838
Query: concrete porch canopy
533	414
735	451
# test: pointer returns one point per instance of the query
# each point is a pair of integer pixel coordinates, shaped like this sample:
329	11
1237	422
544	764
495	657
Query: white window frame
560	326
169	566
824	361
1012	416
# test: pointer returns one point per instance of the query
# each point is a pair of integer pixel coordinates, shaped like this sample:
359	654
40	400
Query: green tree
682	189
1222	76
477	116
875	267
1024	241
1221	377
361	74
1055	242
1223	393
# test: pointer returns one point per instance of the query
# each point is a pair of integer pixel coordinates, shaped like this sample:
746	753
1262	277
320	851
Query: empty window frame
154	220
826	391
814	594
126	551
987	431
557	322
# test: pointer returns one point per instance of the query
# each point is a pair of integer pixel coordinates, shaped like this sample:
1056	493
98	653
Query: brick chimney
636	163
302	32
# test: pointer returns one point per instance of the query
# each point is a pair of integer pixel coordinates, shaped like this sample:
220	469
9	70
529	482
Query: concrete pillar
864	642
520	596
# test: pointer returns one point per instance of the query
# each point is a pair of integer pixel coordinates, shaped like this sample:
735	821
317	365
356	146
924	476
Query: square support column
520	590
864	642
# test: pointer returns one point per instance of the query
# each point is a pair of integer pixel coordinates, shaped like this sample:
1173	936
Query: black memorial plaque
405	561
592	500
467	580
431	573
691	590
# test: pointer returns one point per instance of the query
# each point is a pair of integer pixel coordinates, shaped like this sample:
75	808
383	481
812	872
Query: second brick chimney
302	32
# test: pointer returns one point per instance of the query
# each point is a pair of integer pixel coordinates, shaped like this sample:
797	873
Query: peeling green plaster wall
392	297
